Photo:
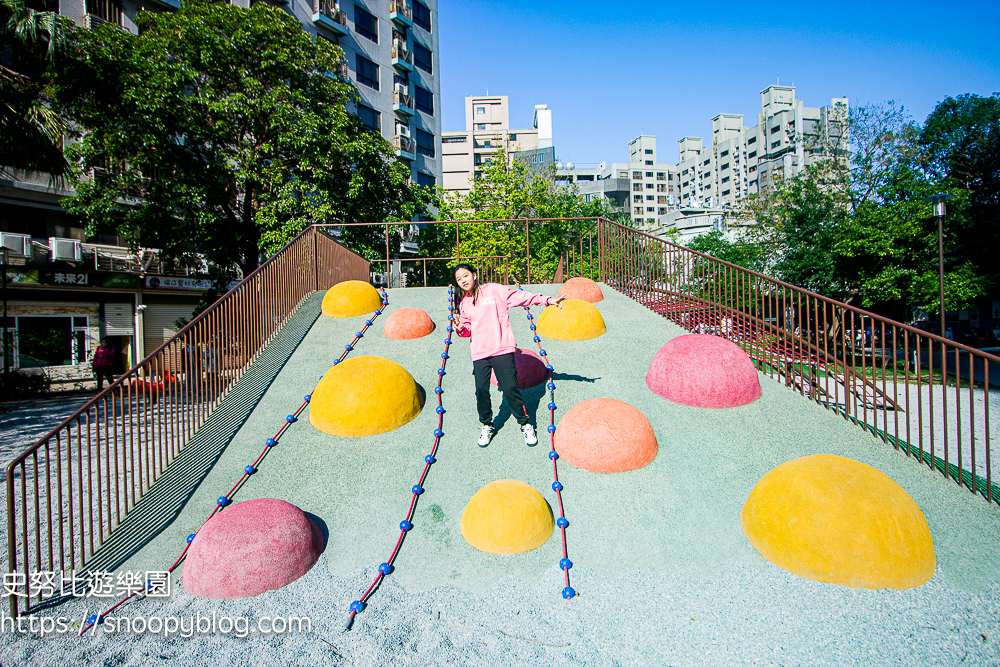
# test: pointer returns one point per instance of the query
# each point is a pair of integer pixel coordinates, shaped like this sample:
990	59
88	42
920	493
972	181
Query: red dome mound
408	323
530	369
605	435
581	288
249	548
704	371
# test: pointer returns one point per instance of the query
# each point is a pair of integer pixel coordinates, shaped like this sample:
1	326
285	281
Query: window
421	15
725	192
365	24
425	143
706	174
426	180
662	210
649	174
661	187
422	57
661	176
623	174
684	173
661	199
725	180
670	177
751	140
648	151
752	169
370	117
775	129
725	166
753	154
649	197
723	154
481	126
637	174
480	111
650	209
706	162
637	198
454	140
513	137
637	187
776	143
366	70
649	186
685	184
424	99
649	163
638	210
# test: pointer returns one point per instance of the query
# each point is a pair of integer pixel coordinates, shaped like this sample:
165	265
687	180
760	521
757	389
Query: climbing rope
406	524
564	563
224	501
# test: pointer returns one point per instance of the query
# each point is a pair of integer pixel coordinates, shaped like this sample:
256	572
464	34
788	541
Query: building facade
65	291
487	128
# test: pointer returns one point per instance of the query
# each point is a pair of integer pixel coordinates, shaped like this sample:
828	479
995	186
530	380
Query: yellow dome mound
833	519
576	320
364	396
350	299
507	517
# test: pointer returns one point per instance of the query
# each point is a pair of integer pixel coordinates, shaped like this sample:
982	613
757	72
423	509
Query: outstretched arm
520	297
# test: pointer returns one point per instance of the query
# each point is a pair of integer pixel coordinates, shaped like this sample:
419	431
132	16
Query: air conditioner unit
66	249
379	278
18	245
402	130
401	89
399	44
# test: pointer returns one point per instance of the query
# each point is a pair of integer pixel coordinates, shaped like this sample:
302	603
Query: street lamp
940	210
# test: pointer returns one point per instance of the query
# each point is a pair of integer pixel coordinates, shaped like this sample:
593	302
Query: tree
222	131
34	43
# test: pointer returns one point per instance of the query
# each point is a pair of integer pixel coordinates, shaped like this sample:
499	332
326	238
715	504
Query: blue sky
610	70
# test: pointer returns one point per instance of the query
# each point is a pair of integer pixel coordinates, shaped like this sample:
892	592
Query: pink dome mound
251	547
704	371
408	323
605	435
530	369
581	288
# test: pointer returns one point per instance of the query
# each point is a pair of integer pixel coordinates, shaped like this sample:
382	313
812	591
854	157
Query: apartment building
66	286
487	127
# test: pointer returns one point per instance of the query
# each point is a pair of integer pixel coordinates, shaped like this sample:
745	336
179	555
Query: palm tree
31	133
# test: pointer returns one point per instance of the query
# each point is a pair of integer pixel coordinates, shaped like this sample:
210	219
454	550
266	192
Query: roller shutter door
118	319
158	323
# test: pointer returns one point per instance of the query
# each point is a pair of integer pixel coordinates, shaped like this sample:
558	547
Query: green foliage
510	191
34	45
19	385
223	131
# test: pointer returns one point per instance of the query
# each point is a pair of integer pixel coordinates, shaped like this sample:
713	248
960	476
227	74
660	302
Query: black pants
506	371
102	373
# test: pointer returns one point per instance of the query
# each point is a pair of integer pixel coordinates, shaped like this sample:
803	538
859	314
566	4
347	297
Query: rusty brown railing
68	492
917	391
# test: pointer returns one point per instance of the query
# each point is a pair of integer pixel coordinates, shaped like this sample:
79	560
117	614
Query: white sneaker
485	435
530	439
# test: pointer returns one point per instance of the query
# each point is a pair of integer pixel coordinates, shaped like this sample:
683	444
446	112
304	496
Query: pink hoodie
489	321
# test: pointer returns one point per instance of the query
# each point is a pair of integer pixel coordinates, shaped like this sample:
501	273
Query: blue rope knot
357	606
557	486
562	522
568	593
250	470
405	525
565	564
271	442
553	455
552	428
417	489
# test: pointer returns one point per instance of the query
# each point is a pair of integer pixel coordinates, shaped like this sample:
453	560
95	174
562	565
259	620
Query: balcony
406	148
93	22
402	103
327	13
400	13
402	58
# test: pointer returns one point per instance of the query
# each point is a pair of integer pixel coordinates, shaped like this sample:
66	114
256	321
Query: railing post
527	252
315	257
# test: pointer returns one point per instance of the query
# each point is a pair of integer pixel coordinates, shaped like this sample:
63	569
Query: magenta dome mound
530	369
249	548
704	371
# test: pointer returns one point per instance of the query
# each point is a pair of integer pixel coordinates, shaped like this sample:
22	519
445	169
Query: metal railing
402	99
402	54
401	8
412	272
331	10
68	492
404	144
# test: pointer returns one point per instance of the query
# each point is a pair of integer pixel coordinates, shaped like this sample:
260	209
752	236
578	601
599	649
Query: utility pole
940	210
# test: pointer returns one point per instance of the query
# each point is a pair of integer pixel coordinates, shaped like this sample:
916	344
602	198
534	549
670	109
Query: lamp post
940	210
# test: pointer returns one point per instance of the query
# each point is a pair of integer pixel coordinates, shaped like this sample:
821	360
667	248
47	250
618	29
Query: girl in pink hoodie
481	312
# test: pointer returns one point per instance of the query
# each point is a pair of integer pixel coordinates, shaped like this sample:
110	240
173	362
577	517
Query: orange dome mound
605	435
407	324
351	298
581	288
704	371
249	548
530	369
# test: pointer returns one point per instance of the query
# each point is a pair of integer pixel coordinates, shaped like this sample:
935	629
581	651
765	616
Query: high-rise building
487	127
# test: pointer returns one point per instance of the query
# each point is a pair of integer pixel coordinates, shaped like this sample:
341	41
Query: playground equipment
704	372
350	299
605	435
576	320
834	519
407	324
507	517
581	288
254	546
364	396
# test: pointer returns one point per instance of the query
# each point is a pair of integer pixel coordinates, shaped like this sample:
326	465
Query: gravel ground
664	572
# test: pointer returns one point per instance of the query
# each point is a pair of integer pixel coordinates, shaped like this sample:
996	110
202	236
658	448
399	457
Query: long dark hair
458	294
